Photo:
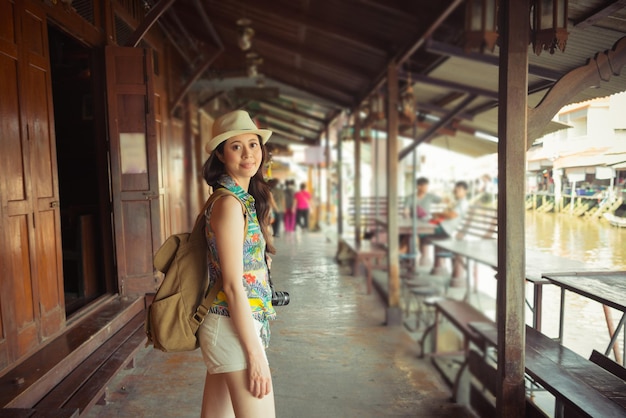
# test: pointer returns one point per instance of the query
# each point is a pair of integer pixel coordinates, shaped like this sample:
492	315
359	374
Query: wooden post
357	176
339	183
329	182
512	130
394	314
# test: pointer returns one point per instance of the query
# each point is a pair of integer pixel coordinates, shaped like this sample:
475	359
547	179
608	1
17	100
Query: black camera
279	298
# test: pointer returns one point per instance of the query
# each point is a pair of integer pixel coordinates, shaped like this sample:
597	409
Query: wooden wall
32	305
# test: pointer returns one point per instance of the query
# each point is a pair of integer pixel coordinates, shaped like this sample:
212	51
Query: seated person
423	201
448	222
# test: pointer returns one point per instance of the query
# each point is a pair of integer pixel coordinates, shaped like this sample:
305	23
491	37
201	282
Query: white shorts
220	344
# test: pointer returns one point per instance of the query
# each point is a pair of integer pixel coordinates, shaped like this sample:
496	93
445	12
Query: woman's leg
216	401
244	404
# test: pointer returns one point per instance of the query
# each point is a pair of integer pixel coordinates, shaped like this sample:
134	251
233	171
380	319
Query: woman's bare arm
227	222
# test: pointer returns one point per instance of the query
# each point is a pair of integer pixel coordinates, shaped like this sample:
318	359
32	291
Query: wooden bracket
599	68
149	19
201	68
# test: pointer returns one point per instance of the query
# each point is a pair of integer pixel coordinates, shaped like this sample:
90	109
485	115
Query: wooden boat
618	221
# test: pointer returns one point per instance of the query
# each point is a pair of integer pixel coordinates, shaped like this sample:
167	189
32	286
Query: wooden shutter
134	166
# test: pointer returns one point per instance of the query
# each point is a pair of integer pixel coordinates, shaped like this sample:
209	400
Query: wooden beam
191	41
329	182
402	57
513	85
192	79
335	92
437	126
600	68
434	108
605	10
535	88
212	97
340	195
149	19
394	314
176	45
357	176
208	24
287	131
442	48
290	122
424	79
293	111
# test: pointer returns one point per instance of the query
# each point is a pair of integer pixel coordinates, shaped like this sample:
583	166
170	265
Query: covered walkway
331	356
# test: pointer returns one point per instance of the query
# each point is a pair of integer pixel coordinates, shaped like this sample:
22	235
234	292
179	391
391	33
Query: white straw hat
232	124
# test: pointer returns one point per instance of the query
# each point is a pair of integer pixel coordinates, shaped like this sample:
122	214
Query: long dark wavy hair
214	168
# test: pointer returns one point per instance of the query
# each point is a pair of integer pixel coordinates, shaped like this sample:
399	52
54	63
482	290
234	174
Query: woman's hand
260	379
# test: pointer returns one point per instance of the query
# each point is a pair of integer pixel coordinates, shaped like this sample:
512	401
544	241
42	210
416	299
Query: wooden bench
581	387
86	384
71	373
482	389
608	364
371	207
366	253
460	314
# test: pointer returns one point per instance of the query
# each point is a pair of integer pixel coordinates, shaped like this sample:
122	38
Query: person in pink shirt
303	204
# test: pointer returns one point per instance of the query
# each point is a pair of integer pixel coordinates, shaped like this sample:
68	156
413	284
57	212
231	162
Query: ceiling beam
285	128
535	88
268	115
433	108
605	10
437	126
293	111
293	138
442	48
424	79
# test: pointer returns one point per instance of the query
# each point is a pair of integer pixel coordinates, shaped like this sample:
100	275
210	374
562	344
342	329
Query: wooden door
31	292
134	167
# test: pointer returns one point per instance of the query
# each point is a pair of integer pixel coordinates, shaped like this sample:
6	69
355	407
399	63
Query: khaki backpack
181	302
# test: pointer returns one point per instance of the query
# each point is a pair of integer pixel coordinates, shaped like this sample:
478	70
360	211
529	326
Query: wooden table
606	287
486	252
576	382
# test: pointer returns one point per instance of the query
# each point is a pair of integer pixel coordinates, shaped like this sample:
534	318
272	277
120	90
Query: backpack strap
204	306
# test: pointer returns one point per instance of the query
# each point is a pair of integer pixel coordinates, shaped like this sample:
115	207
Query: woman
235	333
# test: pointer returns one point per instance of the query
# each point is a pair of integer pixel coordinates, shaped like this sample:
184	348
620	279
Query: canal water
597	244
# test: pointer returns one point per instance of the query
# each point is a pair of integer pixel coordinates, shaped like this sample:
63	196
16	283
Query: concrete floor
331	355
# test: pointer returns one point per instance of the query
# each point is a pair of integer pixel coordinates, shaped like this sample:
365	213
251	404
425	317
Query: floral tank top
255	275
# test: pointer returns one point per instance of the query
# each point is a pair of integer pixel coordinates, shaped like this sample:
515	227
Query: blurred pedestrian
290	211
303	207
